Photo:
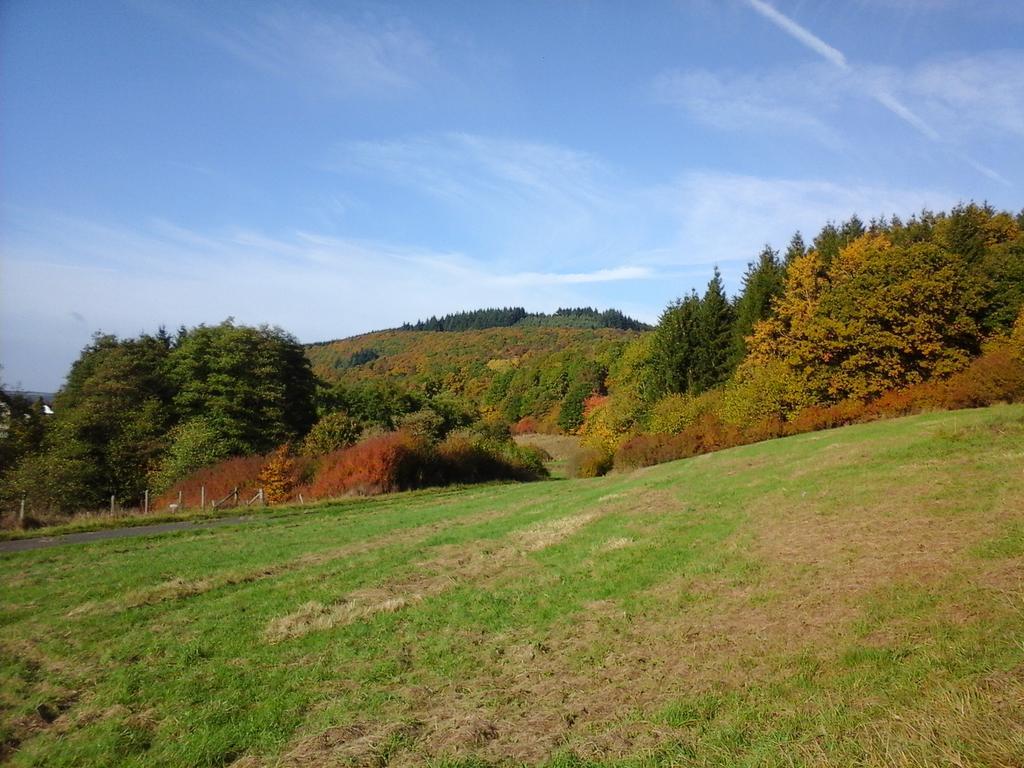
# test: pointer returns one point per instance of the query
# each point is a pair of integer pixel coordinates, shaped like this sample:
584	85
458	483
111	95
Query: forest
868	319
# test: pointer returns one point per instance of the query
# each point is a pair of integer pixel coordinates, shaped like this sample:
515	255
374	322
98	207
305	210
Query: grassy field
852	597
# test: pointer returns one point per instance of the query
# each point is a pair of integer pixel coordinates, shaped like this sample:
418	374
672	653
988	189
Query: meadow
847	597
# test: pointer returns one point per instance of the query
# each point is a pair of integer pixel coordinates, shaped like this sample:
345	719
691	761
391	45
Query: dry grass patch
453	565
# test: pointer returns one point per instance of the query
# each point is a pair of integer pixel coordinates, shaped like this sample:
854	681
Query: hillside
836	598
522	370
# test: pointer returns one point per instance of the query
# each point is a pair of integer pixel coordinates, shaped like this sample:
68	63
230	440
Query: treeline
862	314
243	406
506	317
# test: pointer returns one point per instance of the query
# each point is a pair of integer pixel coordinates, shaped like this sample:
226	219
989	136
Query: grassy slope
838	598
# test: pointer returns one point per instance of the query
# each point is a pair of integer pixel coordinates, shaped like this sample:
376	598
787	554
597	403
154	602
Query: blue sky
340	167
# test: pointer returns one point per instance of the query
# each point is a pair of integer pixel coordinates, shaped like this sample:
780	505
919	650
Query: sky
335	168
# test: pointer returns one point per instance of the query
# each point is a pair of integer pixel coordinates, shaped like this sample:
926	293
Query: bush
527	425
278	476
672	413
334	431
997	376
395	461
464	458
648	450
827	416
220	479
194	444
590	462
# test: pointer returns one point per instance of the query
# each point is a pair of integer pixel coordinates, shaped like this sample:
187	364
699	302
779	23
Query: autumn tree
885	316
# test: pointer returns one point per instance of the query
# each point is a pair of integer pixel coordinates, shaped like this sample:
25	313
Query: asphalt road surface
42	542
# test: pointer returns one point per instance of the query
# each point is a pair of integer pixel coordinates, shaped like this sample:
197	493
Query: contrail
802	34
836	57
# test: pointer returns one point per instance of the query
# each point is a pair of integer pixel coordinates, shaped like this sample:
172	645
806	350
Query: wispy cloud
875	88
982	93
787	102
577	278
330	53
125	280
526	202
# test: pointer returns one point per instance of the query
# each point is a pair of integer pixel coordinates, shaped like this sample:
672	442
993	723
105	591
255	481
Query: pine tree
763	282
796	250
675	344
713	331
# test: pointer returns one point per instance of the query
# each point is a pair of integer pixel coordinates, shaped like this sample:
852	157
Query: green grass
851	597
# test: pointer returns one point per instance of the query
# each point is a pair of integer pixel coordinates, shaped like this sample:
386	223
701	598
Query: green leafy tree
107	435
587	379
192	445
22	429
253	385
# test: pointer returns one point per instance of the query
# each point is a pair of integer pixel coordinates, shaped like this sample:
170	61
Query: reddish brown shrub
390	462
219	479
527	425
827	416
995	377
278	473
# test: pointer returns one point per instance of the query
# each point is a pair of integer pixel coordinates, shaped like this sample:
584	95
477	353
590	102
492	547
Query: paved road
42	542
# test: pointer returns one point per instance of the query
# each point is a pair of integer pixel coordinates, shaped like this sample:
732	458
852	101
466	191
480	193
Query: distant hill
526	369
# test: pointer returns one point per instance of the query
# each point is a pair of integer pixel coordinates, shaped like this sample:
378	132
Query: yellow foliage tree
882	317
277	478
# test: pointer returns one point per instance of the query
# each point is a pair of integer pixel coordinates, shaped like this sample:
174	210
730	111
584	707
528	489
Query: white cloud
787	101
527	203
972	94
126	281
727	218
948	92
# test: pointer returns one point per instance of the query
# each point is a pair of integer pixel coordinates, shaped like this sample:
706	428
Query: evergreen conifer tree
795	250
764	280
675	344
713	329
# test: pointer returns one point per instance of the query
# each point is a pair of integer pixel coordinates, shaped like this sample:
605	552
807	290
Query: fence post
179	501
21	512
145	502
300	499
111	503
202	498
263	501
